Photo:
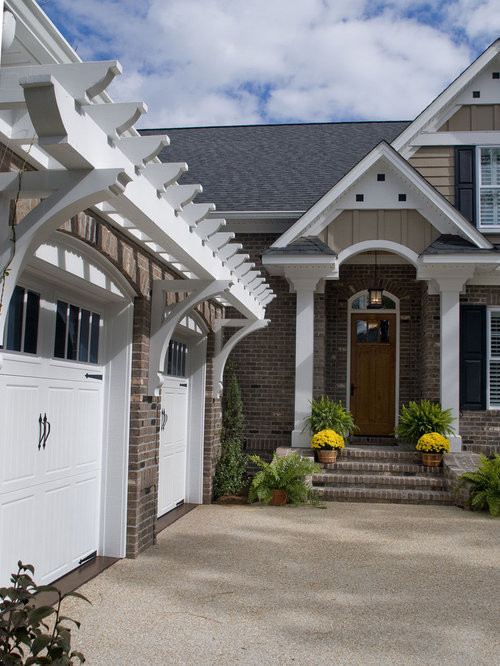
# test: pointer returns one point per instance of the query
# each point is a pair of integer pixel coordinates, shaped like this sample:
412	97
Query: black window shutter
465	185
473	357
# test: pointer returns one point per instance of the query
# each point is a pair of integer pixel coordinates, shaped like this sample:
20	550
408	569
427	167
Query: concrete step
384	495
402	468
373	480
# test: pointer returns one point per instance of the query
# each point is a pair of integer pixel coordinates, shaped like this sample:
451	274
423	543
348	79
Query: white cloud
202	62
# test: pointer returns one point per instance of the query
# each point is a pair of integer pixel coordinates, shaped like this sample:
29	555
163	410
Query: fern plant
326	414
289	474
420	418
485	491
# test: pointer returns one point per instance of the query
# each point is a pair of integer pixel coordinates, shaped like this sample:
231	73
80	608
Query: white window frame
490	358
479	187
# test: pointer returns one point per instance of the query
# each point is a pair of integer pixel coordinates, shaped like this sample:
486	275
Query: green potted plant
420	418
327	444
326	414
432	446
283	480
485	490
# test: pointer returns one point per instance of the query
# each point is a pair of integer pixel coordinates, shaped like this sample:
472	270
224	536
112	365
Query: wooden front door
373	372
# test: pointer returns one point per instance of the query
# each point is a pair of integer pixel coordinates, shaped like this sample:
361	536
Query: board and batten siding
474	118
437	165
406	227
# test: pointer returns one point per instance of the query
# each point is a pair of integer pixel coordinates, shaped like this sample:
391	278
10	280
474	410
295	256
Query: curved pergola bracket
164	319
66	192
246	327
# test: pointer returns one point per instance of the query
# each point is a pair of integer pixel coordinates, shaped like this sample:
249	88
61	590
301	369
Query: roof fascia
317	218
403	142
44	40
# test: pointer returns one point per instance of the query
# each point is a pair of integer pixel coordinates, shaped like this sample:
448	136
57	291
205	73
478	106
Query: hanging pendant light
375	293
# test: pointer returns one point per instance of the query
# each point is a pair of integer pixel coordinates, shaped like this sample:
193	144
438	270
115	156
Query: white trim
397	312
455	138
366	246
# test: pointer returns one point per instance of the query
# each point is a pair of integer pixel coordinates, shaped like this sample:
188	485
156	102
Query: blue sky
221	62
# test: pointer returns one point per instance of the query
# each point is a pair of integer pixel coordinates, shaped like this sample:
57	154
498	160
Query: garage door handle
41	432
164	419
46	431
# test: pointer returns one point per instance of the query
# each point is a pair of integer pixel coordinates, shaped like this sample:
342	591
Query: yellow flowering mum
433	442
327	439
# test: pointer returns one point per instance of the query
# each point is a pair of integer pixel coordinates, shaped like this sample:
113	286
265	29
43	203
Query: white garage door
51	405
173	432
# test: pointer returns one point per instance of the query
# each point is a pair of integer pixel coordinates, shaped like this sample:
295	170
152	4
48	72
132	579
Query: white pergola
89	156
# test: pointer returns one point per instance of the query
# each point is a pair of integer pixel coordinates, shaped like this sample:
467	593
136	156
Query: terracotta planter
327	455
431	459
278	498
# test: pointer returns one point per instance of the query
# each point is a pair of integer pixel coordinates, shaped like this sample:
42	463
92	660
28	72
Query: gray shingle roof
308	245
451	244
272	167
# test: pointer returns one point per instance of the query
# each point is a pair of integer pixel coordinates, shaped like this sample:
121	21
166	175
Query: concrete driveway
352	584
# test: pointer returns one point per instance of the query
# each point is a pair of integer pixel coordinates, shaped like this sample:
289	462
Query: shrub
327	440
25	635
419	418
433	442
329	415
289	474
485	491
228	478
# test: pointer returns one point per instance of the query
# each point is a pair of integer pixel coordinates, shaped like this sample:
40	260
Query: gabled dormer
455	143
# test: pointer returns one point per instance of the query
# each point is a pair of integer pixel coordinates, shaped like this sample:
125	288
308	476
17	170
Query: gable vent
476	94
401	197
381	177
495	75
360	197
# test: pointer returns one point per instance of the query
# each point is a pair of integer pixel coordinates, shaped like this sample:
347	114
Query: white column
304	358
450	352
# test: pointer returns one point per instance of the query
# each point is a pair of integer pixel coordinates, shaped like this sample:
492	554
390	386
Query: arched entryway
373	353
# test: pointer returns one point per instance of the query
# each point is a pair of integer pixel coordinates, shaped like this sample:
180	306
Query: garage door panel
84	527
173	446
19	454
60	443
57	514
18	531
88	428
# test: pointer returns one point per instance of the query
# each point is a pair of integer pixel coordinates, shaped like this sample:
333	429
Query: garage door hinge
84	560
87	376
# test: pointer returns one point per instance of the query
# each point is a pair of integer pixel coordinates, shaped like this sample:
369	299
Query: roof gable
420	195
476	78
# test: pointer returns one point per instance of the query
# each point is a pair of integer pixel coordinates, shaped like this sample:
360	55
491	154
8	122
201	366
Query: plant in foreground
433	442
30	634
329	415
327	440
420	418
289	474
485	491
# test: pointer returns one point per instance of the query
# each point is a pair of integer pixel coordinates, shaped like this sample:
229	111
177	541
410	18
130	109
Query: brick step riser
383	469
395	483
364	455
385	496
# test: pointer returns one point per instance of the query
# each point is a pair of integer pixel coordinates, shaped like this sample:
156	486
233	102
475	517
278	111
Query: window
489	186
77	333
177	358
494	359
22	321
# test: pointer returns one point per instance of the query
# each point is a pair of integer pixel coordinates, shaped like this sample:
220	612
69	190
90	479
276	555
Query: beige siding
437	165
406	227
474	118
